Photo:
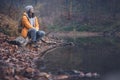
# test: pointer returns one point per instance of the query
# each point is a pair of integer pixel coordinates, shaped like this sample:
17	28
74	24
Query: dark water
92	54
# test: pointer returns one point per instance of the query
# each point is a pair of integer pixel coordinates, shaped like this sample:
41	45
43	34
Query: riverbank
76	34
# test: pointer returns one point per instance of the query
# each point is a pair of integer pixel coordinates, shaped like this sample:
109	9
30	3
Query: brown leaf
8	60
19	77
30	70
9	78
9	70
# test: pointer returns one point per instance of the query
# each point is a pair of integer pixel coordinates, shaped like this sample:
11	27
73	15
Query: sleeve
26	22
36	23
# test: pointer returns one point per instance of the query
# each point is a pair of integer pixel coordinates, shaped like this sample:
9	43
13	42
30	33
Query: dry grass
8	25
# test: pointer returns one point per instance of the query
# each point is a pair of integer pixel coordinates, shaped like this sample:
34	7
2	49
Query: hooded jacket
26	25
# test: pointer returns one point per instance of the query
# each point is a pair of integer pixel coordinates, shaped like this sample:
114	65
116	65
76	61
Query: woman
30	25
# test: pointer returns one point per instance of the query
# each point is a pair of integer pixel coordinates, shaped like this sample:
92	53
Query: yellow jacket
26	25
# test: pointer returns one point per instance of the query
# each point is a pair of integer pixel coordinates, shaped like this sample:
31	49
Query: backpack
20	41
20	26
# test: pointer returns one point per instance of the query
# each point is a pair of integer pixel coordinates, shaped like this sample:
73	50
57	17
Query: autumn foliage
17	63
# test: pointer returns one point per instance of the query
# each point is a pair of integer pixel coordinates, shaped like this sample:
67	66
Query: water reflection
92	54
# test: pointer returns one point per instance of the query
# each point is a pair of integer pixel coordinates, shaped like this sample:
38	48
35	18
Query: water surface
90	54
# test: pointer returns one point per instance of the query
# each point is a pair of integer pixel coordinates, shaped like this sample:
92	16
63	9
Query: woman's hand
33	28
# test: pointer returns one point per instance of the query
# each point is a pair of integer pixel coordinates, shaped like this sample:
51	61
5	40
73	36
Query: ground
20	62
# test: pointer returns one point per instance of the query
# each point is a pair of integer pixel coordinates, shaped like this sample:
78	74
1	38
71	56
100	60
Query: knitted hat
27	8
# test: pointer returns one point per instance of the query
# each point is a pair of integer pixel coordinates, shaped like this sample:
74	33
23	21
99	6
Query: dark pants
35	35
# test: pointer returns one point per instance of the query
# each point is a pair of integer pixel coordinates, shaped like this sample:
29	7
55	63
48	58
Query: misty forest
79	40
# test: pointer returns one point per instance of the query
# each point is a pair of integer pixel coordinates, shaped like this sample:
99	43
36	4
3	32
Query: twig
42	54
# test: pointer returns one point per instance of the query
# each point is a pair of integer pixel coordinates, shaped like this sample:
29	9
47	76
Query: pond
90	54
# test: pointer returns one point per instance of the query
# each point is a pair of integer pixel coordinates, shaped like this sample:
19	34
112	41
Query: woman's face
31	10
31	13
